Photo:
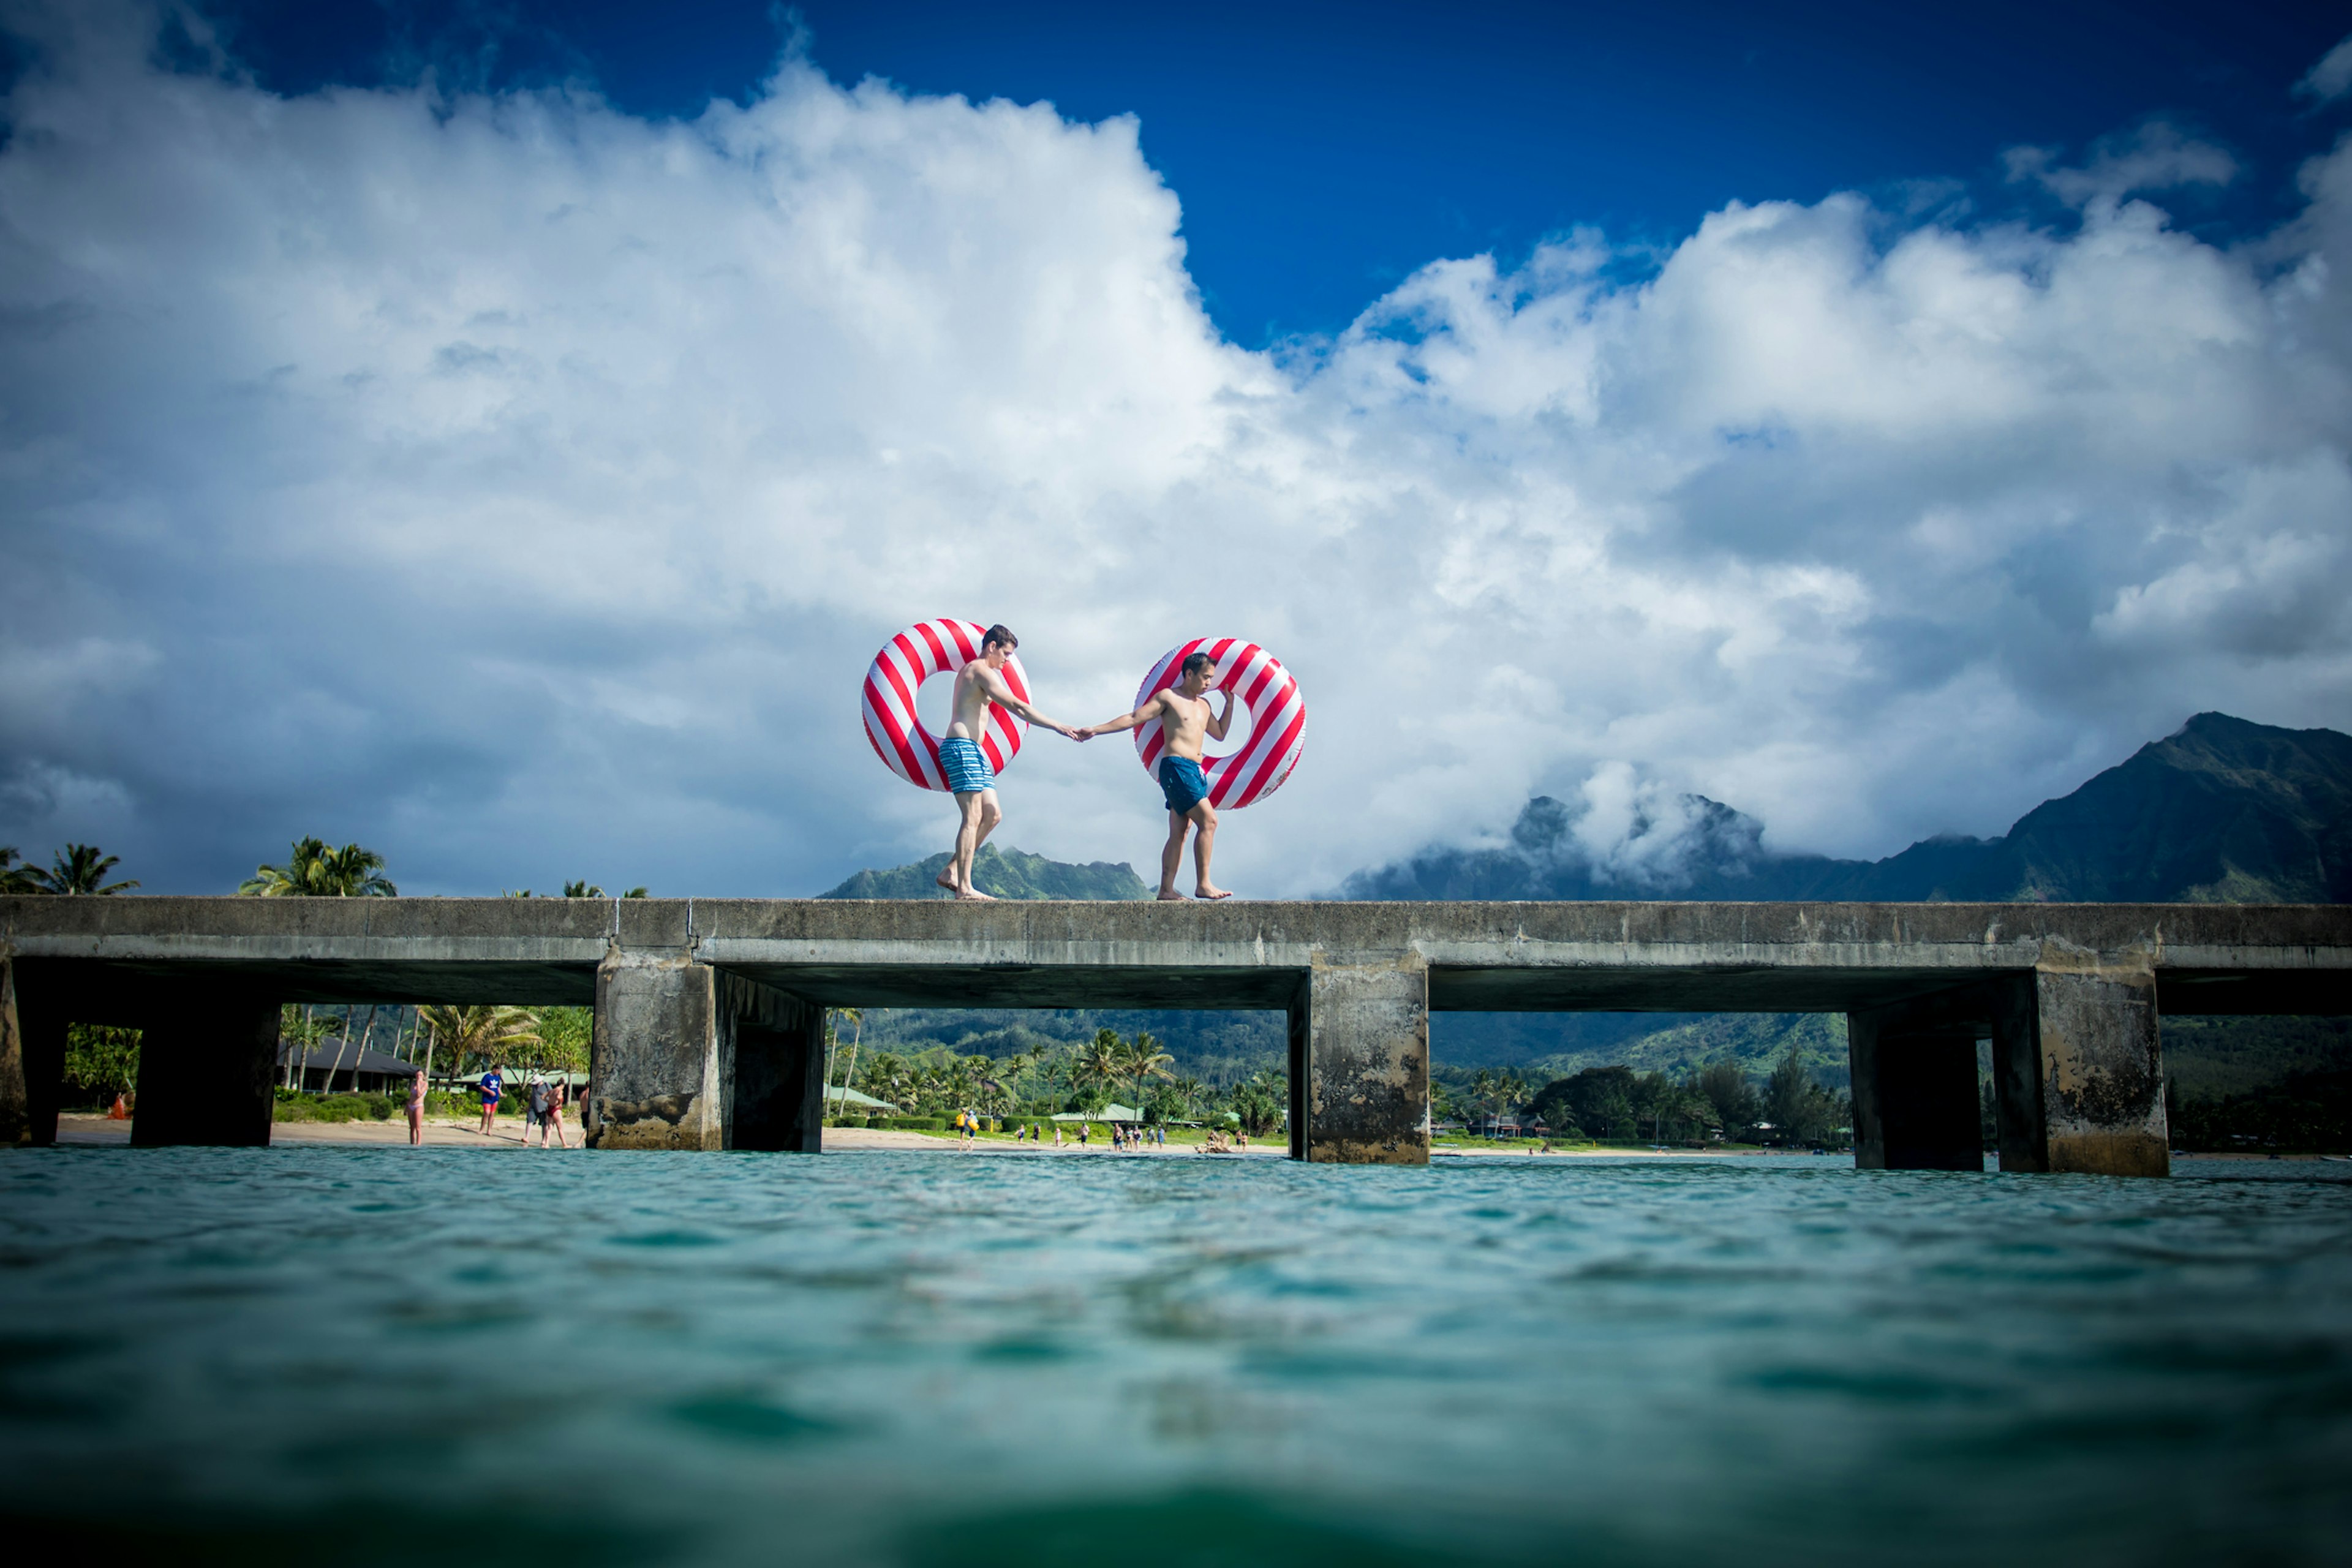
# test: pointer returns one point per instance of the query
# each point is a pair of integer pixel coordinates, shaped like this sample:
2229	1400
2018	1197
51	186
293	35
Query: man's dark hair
1199	664
999	634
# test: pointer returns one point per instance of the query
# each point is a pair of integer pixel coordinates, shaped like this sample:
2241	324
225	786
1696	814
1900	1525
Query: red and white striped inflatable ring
1278	719
914	656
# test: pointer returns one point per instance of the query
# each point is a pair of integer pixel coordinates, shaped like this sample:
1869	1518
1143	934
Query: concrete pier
689	1056
709	1013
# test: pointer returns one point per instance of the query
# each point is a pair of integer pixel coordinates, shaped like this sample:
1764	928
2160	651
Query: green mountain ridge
1006	874
2222	811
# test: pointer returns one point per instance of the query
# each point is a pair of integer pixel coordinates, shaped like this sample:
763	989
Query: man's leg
958	879
980	816
1172	855
1205	816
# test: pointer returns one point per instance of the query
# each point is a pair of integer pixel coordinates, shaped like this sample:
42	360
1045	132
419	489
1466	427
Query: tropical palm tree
1260	1100
78	868
583	890
15	877
315	871
299	1029
1098	1066
1185	1095
489	1032
1141	1059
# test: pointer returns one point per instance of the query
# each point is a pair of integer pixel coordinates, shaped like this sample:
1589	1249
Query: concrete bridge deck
708	1012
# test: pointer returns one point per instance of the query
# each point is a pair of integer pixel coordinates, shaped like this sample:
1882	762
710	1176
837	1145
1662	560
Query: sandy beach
444	1133
441	1132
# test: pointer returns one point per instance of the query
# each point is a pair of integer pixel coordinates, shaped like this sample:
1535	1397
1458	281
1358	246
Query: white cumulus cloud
520	487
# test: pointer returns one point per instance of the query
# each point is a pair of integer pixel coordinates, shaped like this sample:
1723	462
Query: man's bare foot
1170	896
1213	894
946	879
974	896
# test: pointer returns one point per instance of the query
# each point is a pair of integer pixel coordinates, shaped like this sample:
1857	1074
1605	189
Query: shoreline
92	1129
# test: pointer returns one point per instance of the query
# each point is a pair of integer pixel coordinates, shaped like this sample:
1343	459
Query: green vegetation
1007	875
2310	1112
487	1035
78	869
1718	1103
100	1063
1045	1077
314	871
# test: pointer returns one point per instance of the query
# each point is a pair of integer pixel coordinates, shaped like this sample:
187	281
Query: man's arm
1124	721
1217	725
999	693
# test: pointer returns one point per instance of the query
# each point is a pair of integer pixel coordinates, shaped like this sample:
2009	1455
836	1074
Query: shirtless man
1184	721
977	685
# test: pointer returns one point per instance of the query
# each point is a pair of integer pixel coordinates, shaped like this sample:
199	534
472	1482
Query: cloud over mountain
521	486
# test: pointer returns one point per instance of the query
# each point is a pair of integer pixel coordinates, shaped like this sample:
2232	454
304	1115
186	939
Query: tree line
1047	1079
1618	1104
313	870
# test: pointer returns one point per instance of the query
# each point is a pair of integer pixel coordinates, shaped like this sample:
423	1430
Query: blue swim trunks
966	765
1180	783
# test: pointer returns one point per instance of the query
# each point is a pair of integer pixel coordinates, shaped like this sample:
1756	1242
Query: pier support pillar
687	1058
2078	1070
207	1062
1366	1039
653	1069
776	1066
16	1111
1915	1087
41	1027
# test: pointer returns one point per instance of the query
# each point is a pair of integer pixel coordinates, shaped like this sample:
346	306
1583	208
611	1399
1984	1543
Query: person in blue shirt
494	1085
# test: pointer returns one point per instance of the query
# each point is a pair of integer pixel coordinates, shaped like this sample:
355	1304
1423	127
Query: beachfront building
340	1067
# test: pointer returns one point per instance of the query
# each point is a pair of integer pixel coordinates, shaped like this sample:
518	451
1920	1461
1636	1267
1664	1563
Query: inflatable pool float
914	656
1278	719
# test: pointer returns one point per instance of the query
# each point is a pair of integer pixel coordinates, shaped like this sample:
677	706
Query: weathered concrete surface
1481	956
2068	991
654	1074
16	1111
1367	1062
687	1057
2078	1073
2102	1074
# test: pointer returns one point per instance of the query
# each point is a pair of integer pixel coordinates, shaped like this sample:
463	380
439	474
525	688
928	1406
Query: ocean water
310	1353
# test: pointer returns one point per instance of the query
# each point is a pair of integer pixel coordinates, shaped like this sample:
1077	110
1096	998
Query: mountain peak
1007	875
2222	810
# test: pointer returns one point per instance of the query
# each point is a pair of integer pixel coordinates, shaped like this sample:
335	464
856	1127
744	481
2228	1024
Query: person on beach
534	1110
494	1086
970	777
556	1093
417	1109
1184	723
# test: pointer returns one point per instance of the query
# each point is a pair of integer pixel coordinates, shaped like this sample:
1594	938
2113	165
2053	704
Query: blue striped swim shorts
966	765
1180	783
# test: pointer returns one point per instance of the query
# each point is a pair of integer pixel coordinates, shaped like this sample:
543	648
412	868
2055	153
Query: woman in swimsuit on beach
416	1108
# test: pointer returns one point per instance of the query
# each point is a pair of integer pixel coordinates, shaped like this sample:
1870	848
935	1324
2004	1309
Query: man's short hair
1199	664
999	635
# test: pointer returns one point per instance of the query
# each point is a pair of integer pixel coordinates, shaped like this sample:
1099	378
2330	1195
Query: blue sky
502	435
1323	153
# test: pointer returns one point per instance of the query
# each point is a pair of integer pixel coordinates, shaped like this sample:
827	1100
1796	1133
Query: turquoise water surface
303	1352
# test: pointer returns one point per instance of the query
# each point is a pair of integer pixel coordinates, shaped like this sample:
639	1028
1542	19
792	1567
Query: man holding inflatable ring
972	778
1185	722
